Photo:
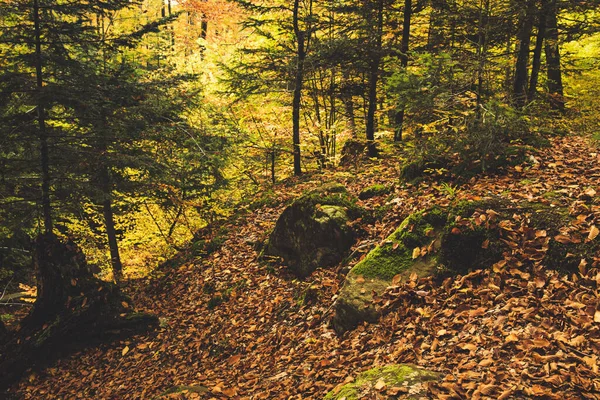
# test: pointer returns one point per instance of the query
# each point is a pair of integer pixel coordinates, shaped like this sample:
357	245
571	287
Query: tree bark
109	223
524	40
41	116
537	55
298	81
404	43
374	67
554	72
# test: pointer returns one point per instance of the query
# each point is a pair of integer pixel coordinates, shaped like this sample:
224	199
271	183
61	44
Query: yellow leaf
380	384
594	231
416	252
125	350
511	338
597	316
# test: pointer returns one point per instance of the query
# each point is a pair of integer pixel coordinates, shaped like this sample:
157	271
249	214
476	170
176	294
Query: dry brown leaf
594	231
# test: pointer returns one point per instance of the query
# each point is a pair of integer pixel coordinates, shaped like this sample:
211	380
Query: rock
375	190
313	231
449	242
393	380
179	392
395	257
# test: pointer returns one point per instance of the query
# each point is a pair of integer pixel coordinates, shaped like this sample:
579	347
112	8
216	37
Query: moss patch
395	255
375	190
406	376
183	389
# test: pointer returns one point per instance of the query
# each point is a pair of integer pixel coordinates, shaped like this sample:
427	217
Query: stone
407	380
313	231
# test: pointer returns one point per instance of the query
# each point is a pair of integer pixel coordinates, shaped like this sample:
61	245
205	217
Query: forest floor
244	329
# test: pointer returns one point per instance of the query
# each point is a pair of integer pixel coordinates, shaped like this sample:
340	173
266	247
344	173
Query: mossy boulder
314	230
375	190
397	255
180	391
406	380
452	241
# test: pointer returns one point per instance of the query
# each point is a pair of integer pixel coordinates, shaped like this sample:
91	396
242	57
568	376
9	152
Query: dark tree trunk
399	116
298	81
554	72
346	96
524	40
41	115
109	223
71	306
537	55
484	10
374	70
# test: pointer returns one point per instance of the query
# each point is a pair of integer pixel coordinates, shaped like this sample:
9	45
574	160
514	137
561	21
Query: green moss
395	255
331	195
375	190
393	375
184	389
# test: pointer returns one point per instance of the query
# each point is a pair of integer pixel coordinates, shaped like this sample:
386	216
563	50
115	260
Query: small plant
447	189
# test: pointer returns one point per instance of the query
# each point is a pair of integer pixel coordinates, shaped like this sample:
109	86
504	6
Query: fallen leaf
594	231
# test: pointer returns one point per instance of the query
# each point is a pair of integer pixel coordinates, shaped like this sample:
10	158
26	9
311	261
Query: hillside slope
245	329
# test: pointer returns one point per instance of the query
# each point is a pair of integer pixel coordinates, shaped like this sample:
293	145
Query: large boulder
406	380
456	240
396	257
314	230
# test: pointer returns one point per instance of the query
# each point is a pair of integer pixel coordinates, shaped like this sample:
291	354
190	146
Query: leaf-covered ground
247	330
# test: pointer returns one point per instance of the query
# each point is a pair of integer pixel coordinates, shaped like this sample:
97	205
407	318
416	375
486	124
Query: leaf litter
516	330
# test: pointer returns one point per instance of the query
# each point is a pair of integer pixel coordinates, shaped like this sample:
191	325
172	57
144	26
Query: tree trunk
71	305
374	66
299	80
109	224
554	72
399	117
537	55
524	40
346	96
484	11
41	116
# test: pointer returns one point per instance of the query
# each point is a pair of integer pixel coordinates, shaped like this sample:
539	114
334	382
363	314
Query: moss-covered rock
375	190
398	255
452	241
400	379
314	231
178	392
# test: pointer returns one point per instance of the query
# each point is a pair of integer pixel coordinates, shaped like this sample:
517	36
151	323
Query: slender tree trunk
399	116
299	80
524	40
554	72
374	67
537	55
346	96
41	116
484	11
106	189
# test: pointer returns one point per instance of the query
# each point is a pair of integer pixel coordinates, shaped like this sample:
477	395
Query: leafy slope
517	331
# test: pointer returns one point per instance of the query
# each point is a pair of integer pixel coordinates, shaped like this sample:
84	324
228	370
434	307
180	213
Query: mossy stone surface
454	240
313	231
394	257
375	190
409	377
182	390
